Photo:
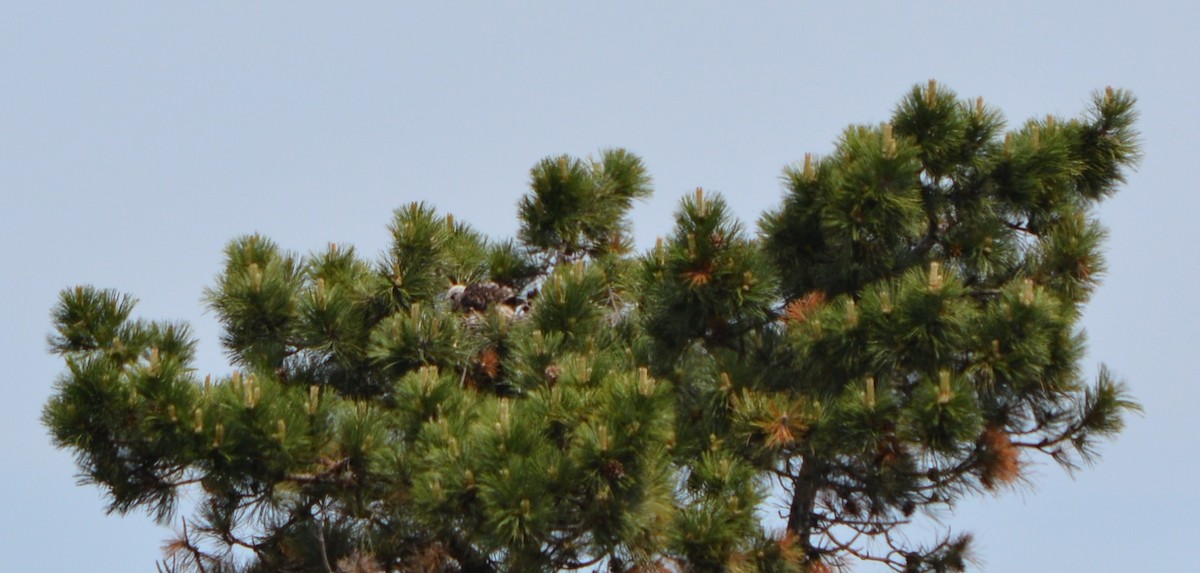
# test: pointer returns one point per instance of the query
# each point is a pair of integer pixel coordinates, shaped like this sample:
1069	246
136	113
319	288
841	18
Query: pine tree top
901	331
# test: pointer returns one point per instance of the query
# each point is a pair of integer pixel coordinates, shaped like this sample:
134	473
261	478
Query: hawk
479	297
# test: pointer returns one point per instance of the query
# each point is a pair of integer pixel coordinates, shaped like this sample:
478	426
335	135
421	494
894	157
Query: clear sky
137	137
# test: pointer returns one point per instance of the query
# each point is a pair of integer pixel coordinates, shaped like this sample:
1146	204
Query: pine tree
900	332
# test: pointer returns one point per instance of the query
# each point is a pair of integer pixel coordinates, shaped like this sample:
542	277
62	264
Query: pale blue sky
137	138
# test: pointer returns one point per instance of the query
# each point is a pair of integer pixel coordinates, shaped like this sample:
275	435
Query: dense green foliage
901	331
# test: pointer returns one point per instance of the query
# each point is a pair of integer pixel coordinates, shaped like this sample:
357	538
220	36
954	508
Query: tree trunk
804	496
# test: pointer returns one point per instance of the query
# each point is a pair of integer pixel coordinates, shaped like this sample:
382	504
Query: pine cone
613	469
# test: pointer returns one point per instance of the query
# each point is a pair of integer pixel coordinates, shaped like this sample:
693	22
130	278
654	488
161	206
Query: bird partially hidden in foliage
481	296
